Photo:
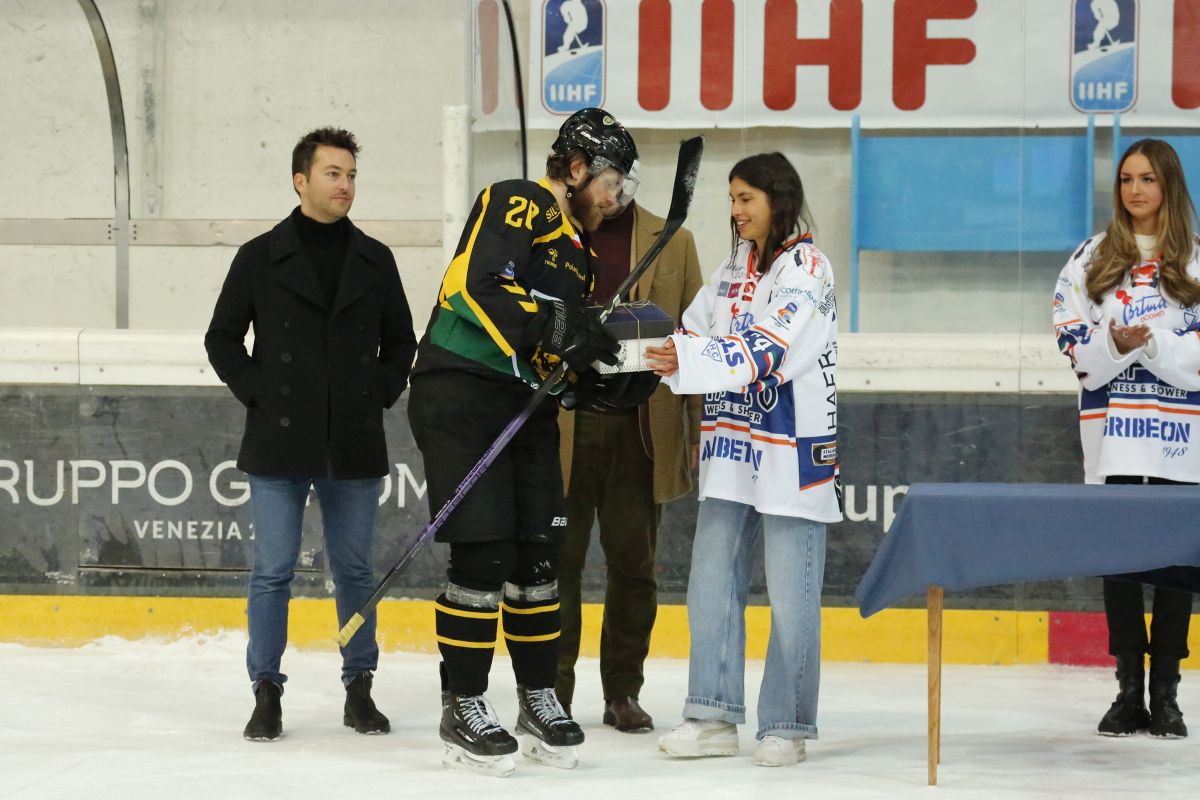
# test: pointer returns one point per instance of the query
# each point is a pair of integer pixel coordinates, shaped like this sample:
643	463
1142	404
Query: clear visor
621	187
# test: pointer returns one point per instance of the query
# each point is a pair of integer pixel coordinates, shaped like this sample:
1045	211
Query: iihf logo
1104	55
572	54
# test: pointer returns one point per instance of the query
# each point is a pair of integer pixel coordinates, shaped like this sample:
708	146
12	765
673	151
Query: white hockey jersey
763	351
1137	412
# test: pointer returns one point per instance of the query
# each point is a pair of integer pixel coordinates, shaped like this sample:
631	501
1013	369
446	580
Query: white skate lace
545	705
478	714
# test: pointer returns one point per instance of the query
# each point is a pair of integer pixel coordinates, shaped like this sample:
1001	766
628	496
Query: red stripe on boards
1079	638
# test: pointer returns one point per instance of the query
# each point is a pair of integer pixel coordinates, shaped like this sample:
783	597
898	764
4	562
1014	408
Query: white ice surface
140	720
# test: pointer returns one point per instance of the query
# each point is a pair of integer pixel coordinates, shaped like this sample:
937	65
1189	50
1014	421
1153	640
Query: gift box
635	326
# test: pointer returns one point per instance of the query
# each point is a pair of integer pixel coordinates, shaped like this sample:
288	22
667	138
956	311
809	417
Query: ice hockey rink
133	719
149	139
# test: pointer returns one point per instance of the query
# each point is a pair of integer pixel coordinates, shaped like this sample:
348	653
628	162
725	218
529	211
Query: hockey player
761	344
1125	313
509	309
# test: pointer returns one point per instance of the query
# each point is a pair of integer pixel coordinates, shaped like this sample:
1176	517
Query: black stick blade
687	170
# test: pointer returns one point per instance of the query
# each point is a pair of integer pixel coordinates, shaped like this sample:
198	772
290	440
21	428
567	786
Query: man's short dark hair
302	153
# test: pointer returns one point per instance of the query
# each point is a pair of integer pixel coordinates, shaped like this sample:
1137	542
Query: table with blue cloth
961	536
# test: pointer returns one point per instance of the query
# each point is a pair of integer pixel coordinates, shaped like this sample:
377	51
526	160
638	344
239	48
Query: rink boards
124	514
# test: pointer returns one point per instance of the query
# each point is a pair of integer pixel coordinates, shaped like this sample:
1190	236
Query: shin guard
531	630
466	637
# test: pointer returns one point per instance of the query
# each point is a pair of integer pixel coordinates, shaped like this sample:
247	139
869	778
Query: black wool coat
320	376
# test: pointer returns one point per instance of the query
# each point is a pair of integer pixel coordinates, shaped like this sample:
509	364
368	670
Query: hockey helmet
602	139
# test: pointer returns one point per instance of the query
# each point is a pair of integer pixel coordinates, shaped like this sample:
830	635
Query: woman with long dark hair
1125	313
760	343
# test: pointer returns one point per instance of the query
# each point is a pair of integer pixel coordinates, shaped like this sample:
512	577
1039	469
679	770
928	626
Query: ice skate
694	738
475	740
548	736
775	751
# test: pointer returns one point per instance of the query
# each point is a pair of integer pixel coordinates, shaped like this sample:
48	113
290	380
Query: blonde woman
1126	313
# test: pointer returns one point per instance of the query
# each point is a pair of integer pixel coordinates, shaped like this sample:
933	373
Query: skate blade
454	757
536	750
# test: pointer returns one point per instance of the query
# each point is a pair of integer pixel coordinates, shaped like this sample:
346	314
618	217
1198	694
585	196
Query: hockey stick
681	197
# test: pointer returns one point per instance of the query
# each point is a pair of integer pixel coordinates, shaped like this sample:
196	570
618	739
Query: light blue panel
1187	146
972	193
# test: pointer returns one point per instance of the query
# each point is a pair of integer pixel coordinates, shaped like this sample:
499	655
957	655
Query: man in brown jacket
621	466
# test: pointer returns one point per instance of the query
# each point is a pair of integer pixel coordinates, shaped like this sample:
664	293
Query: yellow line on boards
892	636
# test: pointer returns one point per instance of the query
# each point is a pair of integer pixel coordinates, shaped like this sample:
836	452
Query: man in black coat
333	344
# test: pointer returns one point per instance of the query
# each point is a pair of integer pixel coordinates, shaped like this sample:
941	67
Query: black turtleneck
325	245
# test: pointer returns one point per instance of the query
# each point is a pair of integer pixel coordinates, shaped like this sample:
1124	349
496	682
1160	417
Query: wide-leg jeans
722	562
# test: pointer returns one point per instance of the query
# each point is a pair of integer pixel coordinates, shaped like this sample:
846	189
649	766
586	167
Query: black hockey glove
609	392
575	335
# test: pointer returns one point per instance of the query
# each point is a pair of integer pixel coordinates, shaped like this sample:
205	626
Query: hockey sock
531	630
466	636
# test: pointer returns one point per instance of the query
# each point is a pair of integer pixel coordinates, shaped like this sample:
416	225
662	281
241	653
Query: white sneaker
775	751
700	737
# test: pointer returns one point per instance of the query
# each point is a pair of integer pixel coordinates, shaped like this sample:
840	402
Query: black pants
1124	606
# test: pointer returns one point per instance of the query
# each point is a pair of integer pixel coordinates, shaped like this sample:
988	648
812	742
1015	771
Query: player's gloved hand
575	335
608	392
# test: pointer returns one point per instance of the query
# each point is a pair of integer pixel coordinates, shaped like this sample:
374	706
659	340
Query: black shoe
361	713
1128	713
1166	720
540	714
627	715
266	723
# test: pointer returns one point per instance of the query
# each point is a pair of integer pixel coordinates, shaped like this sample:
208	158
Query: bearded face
599	198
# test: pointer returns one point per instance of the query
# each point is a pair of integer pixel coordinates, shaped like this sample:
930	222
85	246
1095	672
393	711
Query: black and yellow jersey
517	246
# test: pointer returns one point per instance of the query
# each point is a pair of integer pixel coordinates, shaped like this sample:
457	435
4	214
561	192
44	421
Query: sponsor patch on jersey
807	258
713	351
783	316
509	271
742	322
824	454
552	213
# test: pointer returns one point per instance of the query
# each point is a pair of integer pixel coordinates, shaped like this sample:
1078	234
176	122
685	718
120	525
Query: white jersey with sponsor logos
1138	412
762	349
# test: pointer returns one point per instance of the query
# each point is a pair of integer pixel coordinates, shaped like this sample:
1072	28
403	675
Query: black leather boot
266	723
1128	713
1166	720
361	713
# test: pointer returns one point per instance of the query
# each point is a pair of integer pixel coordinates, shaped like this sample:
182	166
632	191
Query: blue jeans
722	561
348	508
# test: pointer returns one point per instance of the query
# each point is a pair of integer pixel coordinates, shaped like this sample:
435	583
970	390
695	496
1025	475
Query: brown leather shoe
626	715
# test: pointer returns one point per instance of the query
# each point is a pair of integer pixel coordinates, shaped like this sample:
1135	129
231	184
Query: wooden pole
934	618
